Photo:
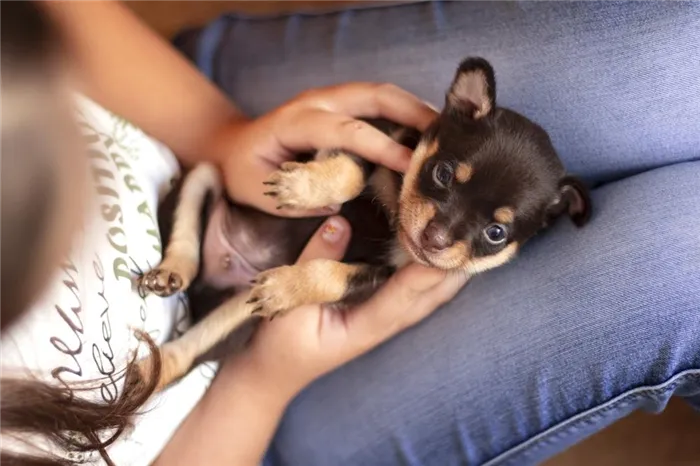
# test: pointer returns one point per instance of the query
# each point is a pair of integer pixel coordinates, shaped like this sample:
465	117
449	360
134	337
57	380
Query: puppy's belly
225	257
240	242
372	234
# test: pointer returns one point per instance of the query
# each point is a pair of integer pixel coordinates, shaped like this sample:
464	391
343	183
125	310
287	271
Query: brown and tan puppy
481	182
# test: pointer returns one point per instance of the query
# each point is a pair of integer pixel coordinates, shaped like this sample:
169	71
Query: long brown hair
54	415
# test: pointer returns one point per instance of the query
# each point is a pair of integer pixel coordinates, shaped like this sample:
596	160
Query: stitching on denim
590	416
257	18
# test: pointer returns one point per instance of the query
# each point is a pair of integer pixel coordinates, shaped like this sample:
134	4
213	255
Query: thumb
393	307
328	242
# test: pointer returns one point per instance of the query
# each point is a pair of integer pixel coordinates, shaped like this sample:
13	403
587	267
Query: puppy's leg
318	281
181	260
178	355
386	186
334	178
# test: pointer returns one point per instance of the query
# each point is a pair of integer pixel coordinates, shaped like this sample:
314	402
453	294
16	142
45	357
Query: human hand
289	352
249	151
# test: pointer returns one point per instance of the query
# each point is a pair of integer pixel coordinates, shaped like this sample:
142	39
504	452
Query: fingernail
332	231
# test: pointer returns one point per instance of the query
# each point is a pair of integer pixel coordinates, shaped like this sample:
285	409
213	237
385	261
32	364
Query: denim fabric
616	84
585	326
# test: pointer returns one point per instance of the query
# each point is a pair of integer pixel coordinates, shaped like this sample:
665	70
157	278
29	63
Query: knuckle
443	295
286	111
310	96
352	130
406	291
387	88
353	126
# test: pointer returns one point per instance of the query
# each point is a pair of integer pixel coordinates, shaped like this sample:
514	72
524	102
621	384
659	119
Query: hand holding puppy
288	353
249	151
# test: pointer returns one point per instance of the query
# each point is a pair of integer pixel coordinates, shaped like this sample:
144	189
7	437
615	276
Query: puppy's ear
473	90
573	199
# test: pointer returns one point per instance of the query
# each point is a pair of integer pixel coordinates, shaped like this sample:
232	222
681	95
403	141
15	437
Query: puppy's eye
495	233
442	174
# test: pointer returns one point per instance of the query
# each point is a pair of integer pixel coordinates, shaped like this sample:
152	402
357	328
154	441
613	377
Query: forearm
128	69
233	424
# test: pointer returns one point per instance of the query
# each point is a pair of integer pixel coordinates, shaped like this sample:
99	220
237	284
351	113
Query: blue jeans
585	326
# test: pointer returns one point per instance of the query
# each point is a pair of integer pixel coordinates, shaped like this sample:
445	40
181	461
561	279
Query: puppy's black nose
436	237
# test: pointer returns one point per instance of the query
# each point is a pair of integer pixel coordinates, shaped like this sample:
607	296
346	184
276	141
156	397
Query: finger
374	100
329	242
385	313
318	129
414	294
434	298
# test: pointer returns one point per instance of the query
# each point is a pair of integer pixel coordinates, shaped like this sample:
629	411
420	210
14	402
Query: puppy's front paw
277	291
162	282
318	184
297	186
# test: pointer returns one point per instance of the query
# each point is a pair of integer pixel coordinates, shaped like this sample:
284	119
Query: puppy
481	182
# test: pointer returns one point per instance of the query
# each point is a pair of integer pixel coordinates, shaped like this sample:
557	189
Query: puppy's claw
270	183
276	292
270	193
252	300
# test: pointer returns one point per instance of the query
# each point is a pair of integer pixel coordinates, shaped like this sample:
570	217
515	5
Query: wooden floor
669	439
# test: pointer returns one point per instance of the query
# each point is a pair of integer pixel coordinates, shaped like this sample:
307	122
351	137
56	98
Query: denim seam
556	433
256	17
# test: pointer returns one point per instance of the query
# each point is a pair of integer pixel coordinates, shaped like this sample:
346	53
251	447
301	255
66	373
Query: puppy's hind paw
161	282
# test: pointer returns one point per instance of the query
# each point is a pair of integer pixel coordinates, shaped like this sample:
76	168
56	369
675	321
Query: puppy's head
482	181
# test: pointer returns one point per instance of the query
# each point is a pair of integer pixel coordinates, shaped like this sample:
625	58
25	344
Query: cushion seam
565	427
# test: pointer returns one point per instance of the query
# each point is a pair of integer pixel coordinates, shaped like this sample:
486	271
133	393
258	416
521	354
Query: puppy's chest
372	229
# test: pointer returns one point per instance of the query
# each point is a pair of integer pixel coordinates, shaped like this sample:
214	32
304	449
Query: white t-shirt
82	329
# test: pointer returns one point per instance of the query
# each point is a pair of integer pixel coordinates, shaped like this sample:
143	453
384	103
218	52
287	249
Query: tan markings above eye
464	172
504	214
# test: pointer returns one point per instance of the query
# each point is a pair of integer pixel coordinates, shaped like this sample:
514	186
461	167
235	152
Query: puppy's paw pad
162	282
275	292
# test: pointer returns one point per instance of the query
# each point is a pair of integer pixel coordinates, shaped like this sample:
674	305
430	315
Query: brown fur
386	185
